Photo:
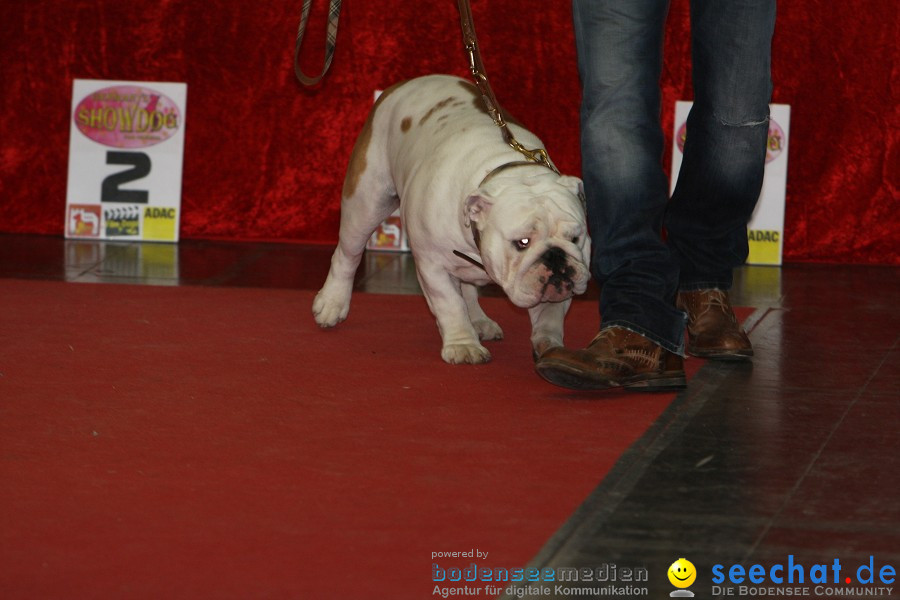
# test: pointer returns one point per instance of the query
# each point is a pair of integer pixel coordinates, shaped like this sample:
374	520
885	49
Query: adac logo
159	223
774	145
682	574
127	116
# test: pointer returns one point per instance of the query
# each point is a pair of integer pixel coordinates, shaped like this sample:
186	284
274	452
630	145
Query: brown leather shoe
713	330
617	357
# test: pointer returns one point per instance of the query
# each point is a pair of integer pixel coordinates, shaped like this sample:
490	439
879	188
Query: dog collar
510	165
476	237
470	259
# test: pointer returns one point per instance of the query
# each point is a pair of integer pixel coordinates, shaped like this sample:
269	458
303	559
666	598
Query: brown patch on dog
436	108
358	157
405	124
478	103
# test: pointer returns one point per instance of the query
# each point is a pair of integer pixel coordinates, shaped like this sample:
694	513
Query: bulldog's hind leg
547	319
369	202
486	327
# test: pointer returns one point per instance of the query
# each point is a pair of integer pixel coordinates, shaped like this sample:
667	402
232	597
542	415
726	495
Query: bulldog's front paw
327	311
461	354
487	329
542	344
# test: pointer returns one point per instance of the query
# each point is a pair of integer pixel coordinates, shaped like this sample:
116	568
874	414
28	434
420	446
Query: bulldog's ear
477	206
574	185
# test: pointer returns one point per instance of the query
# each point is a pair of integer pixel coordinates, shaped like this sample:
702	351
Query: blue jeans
619	45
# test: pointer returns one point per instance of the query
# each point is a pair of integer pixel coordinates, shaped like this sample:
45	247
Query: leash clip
536	155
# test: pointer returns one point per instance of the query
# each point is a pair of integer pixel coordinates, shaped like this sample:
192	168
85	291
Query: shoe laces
718	300
601	337
640	355
625	350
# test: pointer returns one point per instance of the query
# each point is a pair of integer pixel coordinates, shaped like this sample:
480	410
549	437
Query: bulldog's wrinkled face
534	240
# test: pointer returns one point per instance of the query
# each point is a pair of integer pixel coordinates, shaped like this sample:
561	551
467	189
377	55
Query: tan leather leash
334	12
476	66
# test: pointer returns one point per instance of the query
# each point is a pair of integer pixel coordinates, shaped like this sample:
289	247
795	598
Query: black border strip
630	467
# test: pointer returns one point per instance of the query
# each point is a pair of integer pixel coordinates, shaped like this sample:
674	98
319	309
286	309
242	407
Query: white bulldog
431	148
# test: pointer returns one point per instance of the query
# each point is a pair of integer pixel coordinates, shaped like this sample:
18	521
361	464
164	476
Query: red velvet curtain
264	158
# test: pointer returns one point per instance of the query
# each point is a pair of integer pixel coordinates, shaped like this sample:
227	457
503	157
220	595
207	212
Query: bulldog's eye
522	244
575	240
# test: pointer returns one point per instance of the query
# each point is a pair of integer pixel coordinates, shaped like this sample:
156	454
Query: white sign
126	151
765	232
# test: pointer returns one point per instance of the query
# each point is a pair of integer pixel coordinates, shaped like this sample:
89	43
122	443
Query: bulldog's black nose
556	260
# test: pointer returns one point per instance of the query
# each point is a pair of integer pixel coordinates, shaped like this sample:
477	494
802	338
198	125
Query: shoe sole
729	355
575	379
665	383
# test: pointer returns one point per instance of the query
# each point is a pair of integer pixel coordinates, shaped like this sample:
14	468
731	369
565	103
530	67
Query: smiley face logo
682	573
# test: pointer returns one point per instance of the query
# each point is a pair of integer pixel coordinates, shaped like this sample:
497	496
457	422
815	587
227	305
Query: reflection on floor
794	454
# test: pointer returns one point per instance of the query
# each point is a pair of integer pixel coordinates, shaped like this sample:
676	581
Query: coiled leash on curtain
334	12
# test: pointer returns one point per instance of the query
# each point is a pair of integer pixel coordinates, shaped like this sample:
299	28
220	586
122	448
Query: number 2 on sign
111	191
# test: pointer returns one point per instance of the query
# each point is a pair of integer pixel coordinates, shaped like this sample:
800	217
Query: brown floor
795	454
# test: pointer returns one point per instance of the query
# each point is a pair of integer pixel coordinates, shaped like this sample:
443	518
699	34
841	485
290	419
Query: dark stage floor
794	454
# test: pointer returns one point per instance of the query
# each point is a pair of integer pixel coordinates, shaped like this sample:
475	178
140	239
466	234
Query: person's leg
725	149
722	171
619	48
